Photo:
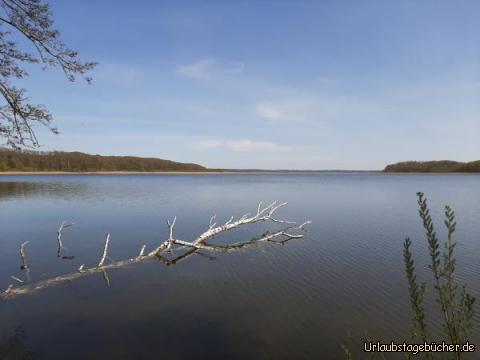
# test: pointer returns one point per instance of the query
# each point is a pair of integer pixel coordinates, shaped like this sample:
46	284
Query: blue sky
269	84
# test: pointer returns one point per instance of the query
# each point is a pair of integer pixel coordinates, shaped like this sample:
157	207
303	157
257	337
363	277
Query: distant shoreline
231	172
77	163
106	172
213	172
437	166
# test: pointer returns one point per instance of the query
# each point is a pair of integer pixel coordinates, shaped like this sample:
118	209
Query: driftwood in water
200	243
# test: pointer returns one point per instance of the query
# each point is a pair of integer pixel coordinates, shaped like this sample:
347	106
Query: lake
299	300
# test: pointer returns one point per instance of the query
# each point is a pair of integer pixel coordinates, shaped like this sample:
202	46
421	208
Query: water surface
301	300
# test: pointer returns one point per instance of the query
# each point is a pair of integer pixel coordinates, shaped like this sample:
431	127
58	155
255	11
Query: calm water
296	301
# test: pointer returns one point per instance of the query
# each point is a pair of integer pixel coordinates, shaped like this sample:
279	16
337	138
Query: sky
268	84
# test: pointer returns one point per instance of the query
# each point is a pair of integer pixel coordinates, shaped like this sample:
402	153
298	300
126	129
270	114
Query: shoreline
229	172
107	172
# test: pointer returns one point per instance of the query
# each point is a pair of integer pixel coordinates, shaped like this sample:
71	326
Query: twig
105	251
24	265
63	225
17	279
142	252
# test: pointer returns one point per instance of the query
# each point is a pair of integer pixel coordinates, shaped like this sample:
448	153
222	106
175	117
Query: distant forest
11	160
434	166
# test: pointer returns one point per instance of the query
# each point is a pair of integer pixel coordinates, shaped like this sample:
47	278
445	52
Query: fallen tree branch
200	243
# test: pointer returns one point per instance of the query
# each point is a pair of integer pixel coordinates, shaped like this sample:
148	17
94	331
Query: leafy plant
456	304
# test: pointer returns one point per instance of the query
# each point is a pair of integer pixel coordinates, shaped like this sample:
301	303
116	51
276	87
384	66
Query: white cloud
269	111
208	68
240	145
208	144
292	109
317	109
197	70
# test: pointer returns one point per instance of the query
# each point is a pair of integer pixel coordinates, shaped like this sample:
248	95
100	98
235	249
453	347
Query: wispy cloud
209	68
317	108
240	145
119	73
299	109
269	111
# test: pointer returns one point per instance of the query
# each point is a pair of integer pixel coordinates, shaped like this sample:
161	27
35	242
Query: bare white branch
24	265
142	251
170	232
258	207
267	237
244	216
159	249
262	214
291	236
17	279
302	226
63	225
105	251
7	291
170	227
212	223
167	244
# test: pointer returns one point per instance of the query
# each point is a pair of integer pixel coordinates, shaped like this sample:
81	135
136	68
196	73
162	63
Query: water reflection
40	189
15	348
167	252
297	301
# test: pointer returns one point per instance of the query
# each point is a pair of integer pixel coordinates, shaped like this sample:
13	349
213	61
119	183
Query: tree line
77	161
434	166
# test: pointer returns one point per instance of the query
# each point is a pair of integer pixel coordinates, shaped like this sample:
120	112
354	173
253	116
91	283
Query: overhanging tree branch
32	20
